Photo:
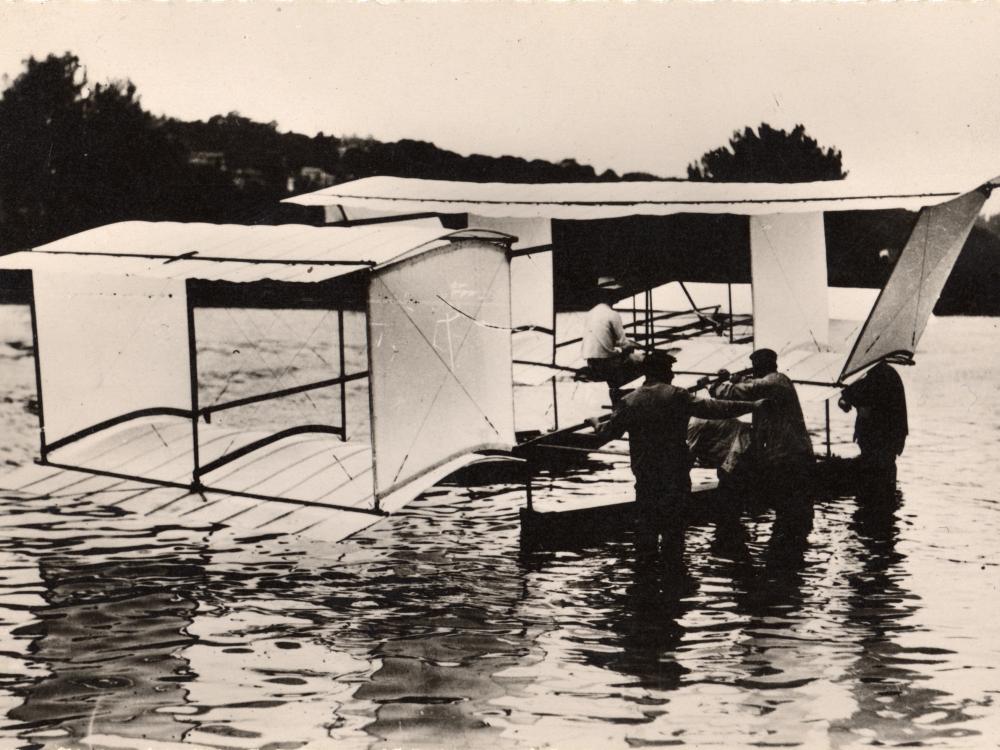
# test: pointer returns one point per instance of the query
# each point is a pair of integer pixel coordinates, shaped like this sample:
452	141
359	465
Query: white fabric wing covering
532	309
788	265
231	252
533	316
531	302
601	200
109	346
901	313
439	343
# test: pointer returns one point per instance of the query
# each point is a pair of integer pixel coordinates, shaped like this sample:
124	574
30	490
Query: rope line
277	373
475	320
280	372
305	344
248	340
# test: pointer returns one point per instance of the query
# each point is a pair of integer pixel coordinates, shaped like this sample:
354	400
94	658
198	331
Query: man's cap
659	360
764	355
608	282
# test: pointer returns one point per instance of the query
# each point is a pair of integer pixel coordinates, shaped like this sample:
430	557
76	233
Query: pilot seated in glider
611	356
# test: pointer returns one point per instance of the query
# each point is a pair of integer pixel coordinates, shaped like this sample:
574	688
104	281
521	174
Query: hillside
75	156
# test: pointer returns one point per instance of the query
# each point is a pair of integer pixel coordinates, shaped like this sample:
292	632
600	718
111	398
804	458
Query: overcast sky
910	93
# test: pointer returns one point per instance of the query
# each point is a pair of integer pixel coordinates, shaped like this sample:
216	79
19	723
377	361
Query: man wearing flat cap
655	416
782	450
609	353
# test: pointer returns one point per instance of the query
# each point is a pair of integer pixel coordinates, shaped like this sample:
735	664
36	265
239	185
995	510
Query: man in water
782	451
880	428
655	416
609	353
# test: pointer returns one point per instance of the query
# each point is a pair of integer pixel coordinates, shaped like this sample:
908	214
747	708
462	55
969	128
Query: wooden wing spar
119	383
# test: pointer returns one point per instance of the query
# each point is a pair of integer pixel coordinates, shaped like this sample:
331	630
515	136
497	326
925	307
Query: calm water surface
432	629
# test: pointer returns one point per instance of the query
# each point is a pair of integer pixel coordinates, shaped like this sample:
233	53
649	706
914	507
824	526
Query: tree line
76	154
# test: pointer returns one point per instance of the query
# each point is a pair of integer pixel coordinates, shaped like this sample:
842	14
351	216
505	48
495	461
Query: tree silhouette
73	157
41	115
769	155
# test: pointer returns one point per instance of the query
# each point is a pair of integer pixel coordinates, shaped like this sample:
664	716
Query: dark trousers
663	505
785	483
615	371
876	474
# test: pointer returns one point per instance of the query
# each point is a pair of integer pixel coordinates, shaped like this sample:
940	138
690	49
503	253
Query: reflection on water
892	705
861	623
109	635
643	610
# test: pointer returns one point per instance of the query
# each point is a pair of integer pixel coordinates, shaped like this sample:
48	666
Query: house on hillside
213	159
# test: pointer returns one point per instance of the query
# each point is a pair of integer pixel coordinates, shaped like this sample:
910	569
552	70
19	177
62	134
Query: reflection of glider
114	314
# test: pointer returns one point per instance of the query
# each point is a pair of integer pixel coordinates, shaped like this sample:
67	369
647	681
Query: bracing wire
478	322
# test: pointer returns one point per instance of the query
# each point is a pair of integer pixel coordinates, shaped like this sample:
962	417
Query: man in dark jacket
655	416
881	427
782	451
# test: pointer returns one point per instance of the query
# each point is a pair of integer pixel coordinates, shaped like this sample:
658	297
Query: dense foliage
75	155
769	155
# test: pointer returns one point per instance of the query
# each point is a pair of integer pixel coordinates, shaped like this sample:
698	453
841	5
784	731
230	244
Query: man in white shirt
609	353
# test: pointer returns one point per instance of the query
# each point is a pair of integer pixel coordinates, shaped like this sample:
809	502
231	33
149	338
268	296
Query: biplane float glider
786	307
122	404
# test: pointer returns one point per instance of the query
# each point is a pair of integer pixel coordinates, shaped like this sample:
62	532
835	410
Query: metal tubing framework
193	369
650	344
207	411
343	376
256	444
555	352
118	475
521	252
697	310
153	411
732	321
371	400
209	490
658	315
826	405
294	501
43	448
204	412
194	413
